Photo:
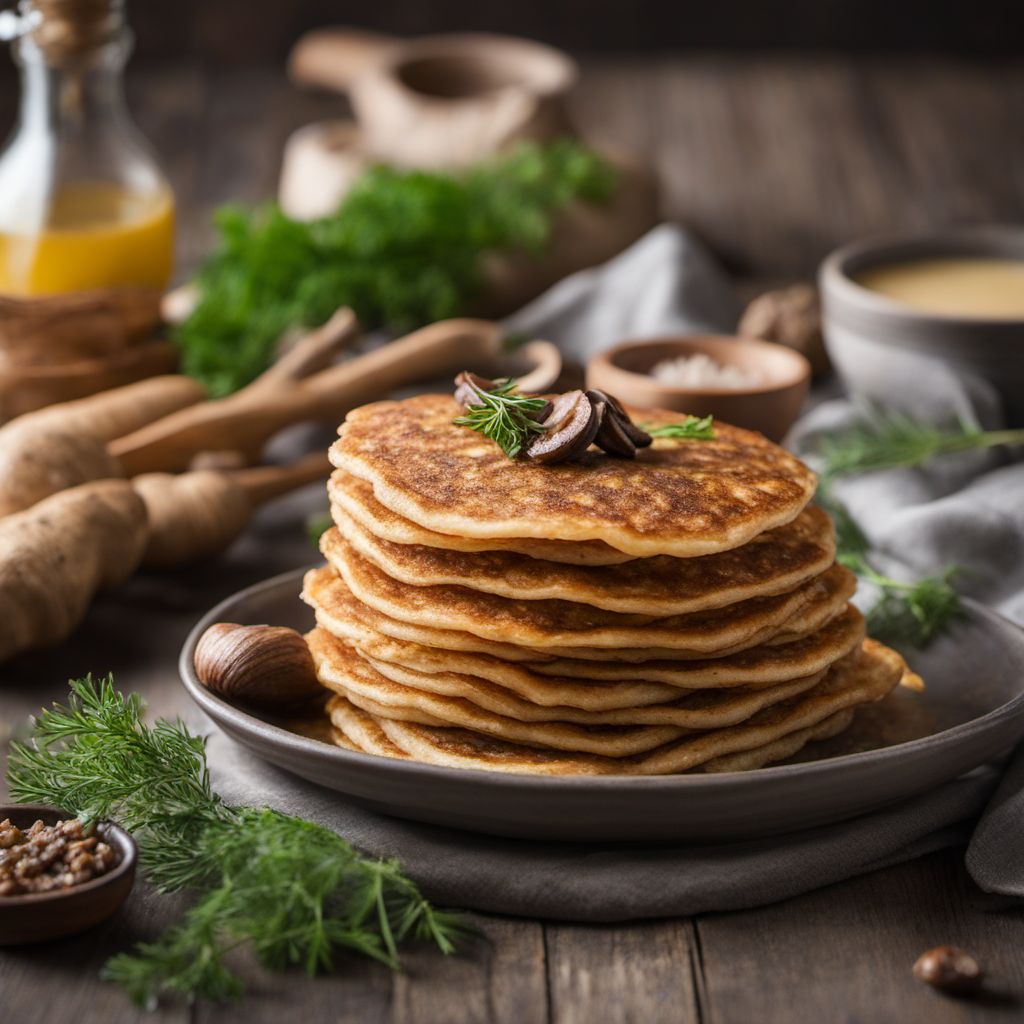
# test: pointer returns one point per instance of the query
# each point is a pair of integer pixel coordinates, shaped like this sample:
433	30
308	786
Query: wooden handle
438	350
330	58
311	353
248	418
264	483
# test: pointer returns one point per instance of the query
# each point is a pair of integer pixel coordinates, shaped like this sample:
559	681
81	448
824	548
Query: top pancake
355	497
681	498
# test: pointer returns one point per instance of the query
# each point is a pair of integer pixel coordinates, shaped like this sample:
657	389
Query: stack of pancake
677	612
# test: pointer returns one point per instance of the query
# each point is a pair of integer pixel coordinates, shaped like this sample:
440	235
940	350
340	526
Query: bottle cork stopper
70	28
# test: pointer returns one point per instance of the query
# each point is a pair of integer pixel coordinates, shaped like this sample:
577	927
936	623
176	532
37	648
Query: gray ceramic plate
972	711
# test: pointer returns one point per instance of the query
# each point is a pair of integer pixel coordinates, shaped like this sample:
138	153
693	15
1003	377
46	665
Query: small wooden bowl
38	917
770	407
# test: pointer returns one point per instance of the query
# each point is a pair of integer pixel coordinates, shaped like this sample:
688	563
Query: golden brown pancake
458	700
782	748
857	679
772	563
747	760
681	498
355	497
555	626
758	668
344	615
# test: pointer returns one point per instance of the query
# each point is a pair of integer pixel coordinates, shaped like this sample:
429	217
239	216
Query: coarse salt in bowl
754	384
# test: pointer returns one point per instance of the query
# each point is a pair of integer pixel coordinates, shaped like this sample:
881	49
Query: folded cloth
968	510
602	882
665	283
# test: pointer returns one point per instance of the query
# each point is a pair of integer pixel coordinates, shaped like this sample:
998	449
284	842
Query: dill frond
295	892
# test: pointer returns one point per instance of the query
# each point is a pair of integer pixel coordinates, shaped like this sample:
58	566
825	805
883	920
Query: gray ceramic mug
891	353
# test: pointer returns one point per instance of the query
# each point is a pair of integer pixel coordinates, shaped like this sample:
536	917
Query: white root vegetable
196	515
58	554
38	461
64	445
109	414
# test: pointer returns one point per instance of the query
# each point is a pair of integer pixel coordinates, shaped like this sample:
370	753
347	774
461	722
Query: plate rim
248	722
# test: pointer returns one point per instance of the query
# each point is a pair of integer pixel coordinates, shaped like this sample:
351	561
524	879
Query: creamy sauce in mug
962	286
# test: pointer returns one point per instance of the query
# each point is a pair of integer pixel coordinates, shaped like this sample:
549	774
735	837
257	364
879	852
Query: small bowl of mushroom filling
754	384
58	877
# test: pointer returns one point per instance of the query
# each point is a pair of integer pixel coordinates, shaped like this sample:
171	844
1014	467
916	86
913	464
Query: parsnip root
58	554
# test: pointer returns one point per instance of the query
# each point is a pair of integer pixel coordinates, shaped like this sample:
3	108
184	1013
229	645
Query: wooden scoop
196	515
246	420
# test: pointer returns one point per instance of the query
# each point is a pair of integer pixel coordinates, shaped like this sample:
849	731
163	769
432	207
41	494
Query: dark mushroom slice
569	429
611	435
468	387
639	437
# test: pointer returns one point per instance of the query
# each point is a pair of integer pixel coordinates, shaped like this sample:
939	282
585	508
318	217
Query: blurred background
248	31
779	130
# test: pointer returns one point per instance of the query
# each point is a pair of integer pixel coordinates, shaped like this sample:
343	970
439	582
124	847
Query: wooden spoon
245	420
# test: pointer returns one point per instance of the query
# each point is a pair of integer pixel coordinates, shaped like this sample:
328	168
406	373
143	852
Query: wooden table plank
845	953
632	974
776	162
58	982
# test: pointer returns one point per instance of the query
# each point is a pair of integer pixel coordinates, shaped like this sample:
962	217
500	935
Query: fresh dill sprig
690	429
294	891
888	440
404	248
504	416
913	613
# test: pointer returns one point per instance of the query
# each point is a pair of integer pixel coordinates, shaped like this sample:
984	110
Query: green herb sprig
913	613
404	248
295	892
906	612
504	416
888	440
690	429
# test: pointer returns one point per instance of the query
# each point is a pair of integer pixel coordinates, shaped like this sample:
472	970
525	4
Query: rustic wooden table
774	162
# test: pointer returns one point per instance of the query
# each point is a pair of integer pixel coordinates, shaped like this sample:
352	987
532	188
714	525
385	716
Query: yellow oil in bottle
96	235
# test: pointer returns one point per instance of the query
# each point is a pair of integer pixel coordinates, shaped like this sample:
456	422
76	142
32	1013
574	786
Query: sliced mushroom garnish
468	387
611	435
640	438
569	429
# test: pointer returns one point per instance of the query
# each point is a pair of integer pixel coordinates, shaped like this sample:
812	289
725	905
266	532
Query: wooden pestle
196	515
246	420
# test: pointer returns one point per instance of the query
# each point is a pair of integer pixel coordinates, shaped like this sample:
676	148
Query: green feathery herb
690	429
296	892
507	418
889	440
912	613
404	248
905	612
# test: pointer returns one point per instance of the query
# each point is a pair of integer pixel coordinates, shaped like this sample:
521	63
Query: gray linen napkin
969	510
